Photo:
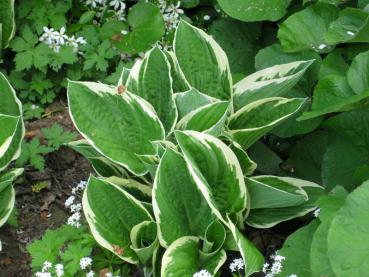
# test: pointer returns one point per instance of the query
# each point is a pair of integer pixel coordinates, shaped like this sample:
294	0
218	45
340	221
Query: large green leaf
102	165
7	200
179	206
238	40
180	83
329	205
350	26
333	94
274	55
111	214
357	75
267	218
216	171
256	119
209	118
144	238
271	192
203	61
191	100
120	127
306	157
7	22
348	244
305	29
11	123
296	250
255	10
147	27
152	81
251	256
270	82
182	259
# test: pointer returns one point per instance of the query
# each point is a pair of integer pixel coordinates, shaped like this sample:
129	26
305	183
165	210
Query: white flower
47	36
117	4
124	32
278	258
46	266
236	265
70	201
73	220
76	207
275	268
322	46
109	274
82	185
202	273
43	274
94	3
265	267
316	212
81	40
206	17
60	37
59	270
34	107
85	262
90	274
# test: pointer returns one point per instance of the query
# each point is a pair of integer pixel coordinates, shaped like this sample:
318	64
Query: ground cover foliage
203	120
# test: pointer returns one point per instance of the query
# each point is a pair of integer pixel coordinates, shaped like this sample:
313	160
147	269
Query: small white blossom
206	17
94	3
74	219
236	265
76	207
202	273
124	32
90	274
59	270
275	268
85	262
34	107
43	274
322	46
70	201
109	274
60	37
46	266
316	212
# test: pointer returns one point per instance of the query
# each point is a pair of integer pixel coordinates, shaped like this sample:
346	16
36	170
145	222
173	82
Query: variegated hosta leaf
144	238
124	77
139	191
11	122
182	259
208	119
270	192
216	171
215	236
118	126
203	61
7	199
111	213
179	80
270	82
7	22
102	165
251	256
267	218
151	79
8	177
191	100
256	119
179	206
248	166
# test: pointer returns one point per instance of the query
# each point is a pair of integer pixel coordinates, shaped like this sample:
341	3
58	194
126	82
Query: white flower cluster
275	268
171	13
85	262
236	265
47	267
75	208
202	273
119	7
55	39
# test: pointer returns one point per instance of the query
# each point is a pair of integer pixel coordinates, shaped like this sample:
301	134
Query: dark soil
38	211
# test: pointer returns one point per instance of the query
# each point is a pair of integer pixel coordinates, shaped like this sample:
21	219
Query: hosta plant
174	191
11	135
